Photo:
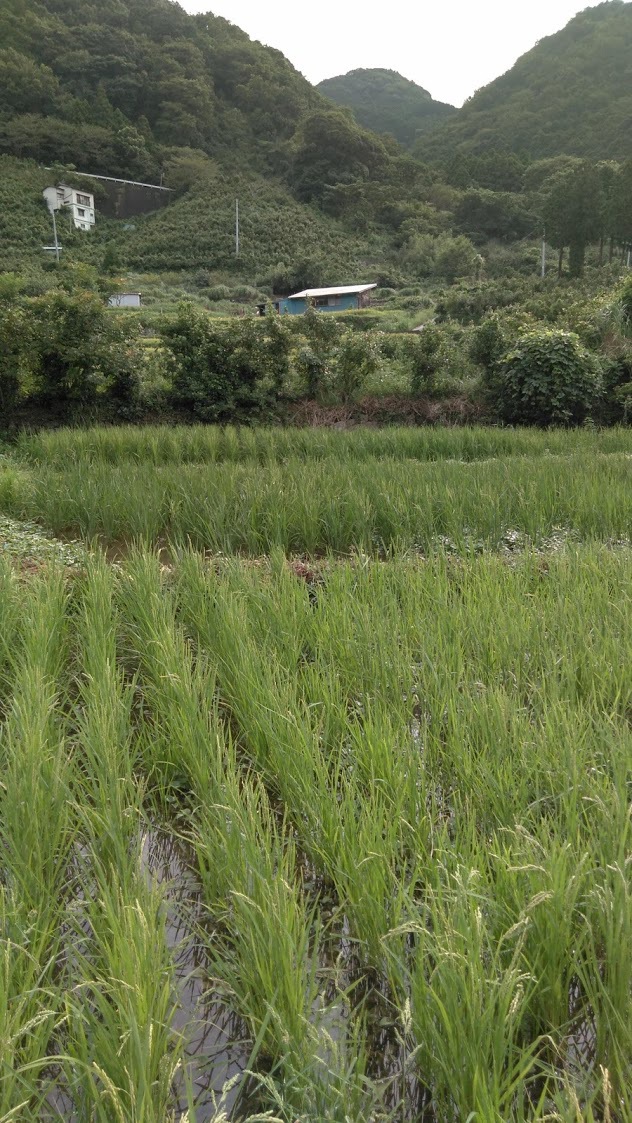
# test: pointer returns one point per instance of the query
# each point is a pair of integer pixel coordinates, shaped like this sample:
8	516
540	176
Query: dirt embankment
392	409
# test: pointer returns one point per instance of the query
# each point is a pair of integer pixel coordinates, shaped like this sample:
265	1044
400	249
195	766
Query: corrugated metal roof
339	291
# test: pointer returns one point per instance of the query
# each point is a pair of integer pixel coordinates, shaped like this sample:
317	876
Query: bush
80	351
314	372
468	304
66	348
358	357
421	352
316	360
334	364
548	378
228	372
487	345
617	388
218	292
625	298
15	348
444	256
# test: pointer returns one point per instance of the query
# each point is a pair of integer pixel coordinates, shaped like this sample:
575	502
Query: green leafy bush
66	349
358	357
547	378
487	344
79	350
626	305
15	346
421	352
313	370
218	292
233	371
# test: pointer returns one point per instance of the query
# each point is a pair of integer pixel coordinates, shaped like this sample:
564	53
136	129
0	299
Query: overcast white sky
451	47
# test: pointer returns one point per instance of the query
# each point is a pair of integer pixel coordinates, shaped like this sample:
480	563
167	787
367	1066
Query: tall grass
37	829
162	445
264	940
121	1055
461	727
406	785
336	506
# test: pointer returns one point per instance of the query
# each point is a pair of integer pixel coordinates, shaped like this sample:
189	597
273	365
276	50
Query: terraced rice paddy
343	836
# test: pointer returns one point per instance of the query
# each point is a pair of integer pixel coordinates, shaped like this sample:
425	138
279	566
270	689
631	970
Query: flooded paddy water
217	1046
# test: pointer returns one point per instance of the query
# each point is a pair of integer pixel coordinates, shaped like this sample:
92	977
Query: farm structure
326	300
125	300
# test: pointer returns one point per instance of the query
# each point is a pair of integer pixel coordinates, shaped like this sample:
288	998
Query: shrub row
68	351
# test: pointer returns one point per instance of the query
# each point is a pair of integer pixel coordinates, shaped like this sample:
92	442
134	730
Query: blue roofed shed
338	299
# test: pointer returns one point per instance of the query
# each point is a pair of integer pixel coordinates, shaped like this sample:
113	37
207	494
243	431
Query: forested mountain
112	84
140	89
571	93
384	101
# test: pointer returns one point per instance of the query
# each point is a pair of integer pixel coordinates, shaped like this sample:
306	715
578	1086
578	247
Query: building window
80	211
84	200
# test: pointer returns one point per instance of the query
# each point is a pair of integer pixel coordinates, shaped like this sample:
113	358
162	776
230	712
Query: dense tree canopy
145	65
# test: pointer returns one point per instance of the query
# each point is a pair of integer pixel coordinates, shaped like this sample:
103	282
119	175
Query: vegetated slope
280	238
571	93
386	102
140	89
25	225
109	85
277	234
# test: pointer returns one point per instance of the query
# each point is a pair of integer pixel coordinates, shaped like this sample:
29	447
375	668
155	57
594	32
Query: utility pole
50	195
55	236
543	262
236	227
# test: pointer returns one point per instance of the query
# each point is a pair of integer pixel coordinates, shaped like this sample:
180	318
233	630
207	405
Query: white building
79	202
125	300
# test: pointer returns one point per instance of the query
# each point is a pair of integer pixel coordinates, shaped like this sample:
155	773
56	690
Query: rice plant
402	774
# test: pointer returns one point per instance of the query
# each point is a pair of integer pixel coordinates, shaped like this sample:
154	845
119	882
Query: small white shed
125	300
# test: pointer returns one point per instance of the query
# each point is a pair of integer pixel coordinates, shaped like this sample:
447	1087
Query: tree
332	148
358	357
80	351
26	86
621	206
15	355
225	373
422	354
185	168
573	213
494	214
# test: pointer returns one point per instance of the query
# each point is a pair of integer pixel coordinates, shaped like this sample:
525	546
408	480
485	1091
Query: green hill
384	101
276	233
114	84
139	89
280	238
571	93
